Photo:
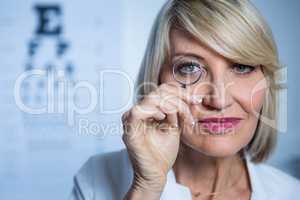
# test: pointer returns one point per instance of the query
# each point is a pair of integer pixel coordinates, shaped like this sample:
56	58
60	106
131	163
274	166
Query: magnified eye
188	68
188	71
243	69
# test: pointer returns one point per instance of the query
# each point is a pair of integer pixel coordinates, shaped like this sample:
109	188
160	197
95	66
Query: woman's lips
219	125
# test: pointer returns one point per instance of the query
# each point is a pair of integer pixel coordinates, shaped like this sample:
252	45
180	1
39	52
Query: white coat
108	177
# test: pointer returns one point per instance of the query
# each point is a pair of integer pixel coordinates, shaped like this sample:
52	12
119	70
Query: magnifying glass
188	74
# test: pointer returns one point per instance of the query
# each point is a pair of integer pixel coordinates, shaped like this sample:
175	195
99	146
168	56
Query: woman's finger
180	92
181	107
146	111
170	104
154	100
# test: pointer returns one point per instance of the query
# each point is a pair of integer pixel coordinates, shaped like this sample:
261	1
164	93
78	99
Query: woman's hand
152	135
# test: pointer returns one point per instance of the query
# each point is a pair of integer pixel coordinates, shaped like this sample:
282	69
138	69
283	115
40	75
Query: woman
205	116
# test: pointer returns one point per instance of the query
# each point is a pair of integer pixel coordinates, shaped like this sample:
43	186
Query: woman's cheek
250	95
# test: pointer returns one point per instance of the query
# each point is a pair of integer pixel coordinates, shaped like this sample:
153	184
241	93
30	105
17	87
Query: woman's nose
217	96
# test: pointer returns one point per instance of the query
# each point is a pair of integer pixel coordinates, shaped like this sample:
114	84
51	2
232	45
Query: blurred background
67	72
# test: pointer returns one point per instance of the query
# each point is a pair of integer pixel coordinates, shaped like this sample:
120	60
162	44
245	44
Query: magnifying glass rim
174	76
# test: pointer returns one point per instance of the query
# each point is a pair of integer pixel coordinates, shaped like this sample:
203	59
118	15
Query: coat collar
258	189
176	191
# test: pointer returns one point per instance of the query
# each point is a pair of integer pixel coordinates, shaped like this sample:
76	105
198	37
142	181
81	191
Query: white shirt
108	177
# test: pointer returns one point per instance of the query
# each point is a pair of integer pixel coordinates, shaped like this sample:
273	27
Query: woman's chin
213	143
213	147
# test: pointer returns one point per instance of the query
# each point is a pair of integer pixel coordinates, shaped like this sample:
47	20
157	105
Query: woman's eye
188	68
243	69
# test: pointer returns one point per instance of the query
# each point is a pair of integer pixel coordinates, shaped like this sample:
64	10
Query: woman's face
228	90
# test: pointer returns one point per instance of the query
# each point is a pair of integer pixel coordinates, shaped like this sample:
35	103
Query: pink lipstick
219	125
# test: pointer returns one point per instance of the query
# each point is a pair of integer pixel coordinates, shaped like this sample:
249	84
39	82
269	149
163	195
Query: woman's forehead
182	43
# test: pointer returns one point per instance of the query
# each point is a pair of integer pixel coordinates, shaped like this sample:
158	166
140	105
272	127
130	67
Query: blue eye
188	68
243	69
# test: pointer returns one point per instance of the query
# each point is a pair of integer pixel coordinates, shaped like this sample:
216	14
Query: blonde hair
233	28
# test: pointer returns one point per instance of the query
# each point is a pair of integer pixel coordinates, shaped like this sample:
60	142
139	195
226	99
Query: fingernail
162	116
196	99
193	123
175	125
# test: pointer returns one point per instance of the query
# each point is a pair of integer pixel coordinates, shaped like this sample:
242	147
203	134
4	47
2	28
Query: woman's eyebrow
197	56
